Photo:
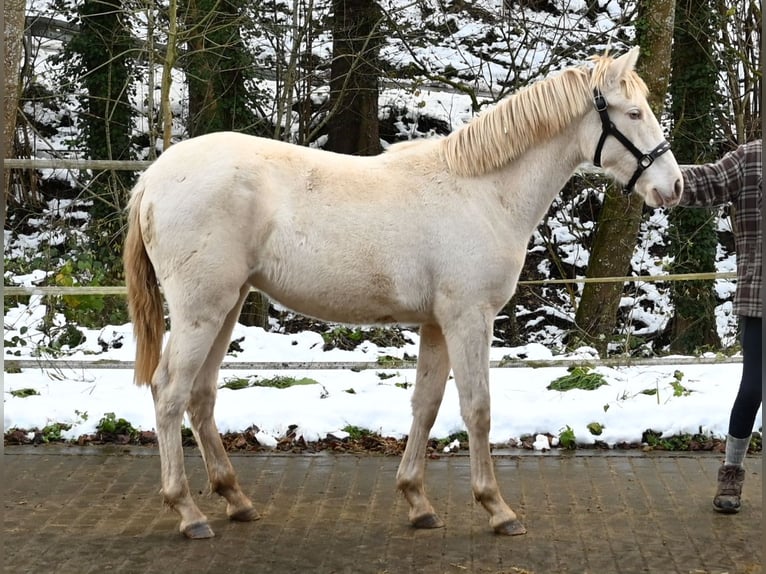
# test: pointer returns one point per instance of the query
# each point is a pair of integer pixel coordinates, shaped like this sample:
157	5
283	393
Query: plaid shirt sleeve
714	183
737	179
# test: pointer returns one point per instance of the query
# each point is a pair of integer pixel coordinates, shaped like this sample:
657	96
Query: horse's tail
144	297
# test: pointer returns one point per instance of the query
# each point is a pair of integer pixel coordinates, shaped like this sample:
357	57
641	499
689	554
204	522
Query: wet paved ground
100	511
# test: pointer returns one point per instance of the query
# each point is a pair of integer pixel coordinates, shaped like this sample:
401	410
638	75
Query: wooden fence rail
68	163
21	291
12	365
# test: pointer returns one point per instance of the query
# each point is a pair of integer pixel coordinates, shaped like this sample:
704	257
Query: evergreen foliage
218	68
692	232
100	57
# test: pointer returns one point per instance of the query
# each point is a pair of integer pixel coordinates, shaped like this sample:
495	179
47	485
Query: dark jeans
750	392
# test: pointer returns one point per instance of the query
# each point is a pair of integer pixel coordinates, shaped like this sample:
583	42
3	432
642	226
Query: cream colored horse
432	233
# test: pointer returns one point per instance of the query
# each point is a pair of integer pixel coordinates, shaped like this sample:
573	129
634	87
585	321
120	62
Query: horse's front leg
468	341
432	371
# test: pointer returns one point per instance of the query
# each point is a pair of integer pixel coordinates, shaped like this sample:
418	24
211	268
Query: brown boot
727	496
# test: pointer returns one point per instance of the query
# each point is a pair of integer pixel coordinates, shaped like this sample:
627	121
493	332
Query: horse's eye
634	114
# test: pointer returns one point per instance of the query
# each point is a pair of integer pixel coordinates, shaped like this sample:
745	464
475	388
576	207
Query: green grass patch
681	442
595	428
357	433
111	425
276	382
678	389
567	438
578	378
21	393
281	382
52	432
235	383
388	361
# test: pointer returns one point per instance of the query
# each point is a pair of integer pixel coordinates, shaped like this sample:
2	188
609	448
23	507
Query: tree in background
739	32
217	67
620	216
102	61
13	20
353	123
692	232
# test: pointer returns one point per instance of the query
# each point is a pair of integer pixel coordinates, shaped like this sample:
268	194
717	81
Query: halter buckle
599	101
645	161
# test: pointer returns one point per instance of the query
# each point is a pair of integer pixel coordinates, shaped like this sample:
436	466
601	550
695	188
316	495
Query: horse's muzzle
657	198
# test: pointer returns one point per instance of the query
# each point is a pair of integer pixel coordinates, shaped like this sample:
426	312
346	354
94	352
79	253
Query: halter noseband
608	128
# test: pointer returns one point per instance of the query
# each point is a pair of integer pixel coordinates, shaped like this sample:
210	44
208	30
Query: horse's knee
425	408
477	419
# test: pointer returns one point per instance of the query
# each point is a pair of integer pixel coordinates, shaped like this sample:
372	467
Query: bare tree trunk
215	65
13	16
353	127
620	217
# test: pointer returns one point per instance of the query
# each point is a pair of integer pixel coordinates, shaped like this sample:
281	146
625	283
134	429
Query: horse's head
625	137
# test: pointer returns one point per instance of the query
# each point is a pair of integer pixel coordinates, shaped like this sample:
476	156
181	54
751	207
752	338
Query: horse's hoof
511	528
428	521
245	515
198	531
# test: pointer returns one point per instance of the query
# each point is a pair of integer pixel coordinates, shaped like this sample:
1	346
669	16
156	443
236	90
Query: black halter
608	128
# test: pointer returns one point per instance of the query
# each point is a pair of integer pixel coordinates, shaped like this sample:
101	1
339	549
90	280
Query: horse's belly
360	302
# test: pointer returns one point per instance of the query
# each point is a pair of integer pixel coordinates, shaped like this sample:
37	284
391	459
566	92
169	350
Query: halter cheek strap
609	129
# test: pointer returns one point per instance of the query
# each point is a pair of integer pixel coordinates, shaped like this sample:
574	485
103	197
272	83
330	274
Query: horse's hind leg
468	340
196	317
432	371
171	389
223	479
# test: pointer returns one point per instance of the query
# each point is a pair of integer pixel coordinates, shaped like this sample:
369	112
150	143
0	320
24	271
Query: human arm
716	183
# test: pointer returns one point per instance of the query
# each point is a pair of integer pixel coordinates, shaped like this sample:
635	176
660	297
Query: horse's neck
535	178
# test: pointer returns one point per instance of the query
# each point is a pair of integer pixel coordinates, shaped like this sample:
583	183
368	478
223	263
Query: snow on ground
521	403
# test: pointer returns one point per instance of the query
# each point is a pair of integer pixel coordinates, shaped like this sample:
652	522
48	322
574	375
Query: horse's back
223	156
219	157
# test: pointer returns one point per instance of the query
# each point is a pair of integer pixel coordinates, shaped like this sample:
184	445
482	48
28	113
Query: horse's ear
624	64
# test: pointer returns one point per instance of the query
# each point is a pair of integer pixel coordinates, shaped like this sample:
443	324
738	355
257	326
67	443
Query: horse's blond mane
533	114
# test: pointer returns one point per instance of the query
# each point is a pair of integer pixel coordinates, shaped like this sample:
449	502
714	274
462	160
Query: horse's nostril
679	187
